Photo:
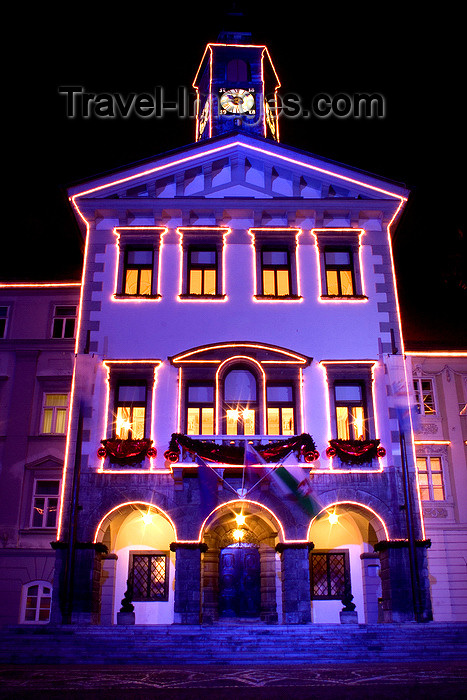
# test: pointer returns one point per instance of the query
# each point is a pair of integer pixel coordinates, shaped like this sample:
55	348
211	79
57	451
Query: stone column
396	579
187	607
109	570
267	555
296	595
210	592
371	585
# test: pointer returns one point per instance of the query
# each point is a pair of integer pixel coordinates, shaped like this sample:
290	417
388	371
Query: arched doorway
138	538
240	567
343	535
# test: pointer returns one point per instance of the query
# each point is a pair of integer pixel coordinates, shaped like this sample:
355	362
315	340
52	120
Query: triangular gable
239	165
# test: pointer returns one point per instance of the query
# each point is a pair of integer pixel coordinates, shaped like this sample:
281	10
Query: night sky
414	61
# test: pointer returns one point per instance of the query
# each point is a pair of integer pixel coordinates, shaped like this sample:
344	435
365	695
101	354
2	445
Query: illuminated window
3	320
430	478
350	411
424	396
149	574
63	325
240	402
36	602
329	575
130	410
200	409
275	270
45	503
202	271
339	272
138	272
54	412
280	409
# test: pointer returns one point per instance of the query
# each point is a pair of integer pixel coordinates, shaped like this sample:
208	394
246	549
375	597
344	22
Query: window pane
38	512
332	283
131	393
47	488
200	393
287	421
145	281
336	574
232	422
346	282
279	394
131	282
423	479
56	399
209	282
273	421
249	422
123	423
348	392
335	257
421	463
342	416
51	517
282	283
424	493
195	282
358	422
269	284
137	428
207	421
203	257
60	420
435	464
275	257
69	328
438	493
193	421
240	386
319	575
57	331
139	257
47	420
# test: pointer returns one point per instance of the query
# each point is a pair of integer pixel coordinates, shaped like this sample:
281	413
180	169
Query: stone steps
227	644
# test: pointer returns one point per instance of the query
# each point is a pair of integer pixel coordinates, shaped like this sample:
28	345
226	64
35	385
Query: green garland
234	454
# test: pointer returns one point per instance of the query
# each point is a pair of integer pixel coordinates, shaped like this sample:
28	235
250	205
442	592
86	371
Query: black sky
414	60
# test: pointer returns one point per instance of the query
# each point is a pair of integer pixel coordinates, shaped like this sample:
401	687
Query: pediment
238	166
217	353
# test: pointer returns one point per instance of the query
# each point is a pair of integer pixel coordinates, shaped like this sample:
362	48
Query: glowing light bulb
147	518
238	534
240	519
333	518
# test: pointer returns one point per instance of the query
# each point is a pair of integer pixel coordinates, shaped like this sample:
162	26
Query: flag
207	479
291	482
253	469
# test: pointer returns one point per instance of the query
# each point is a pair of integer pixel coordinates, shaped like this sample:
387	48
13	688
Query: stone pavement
427	680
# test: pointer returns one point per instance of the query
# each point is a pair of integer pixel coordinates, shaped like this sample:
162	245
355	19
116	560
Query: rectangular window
200	409
202	271
149	576
275	270
138	271
350	411
430	478
280	409
130	410
329	575
339	273
3	321
45	504
424	396
64	322
54	412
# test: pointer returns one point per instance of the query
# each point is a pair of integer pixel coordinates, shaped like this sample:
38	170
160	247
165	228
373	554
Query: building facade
240	424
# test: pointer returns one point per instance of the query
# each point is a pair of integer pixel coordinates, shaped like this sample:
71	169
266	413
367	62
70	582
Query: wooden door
239	582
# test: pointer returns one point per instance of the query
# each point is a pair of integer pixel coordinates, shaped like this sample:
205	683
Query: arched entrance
343	535
239	574
138	538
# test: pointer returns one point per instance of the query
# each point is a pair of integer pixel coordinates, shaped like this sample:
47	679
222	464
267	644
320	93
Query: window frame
199	405
352	373
203	267
202	238
132	404
336	267
150	553
349	404
429	474
280	405
418	392
251	405
340	239
54	412
63	317
127	266
276	239
4	320
46	498
126	372
275	268
24	598
328	554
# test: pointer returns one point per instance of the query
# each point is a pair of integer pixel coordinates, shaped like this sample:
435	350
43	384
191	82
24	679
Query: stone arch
261	529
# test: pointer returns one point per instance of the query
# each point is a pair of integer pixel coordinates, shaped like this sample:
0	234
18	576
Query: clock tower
236	86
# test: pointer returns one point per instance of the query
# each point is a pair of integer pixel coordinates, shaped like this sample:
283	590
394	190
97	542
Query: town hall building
239	439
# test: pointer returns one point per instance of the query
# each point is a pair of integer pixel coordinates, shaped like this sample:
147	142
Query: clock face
237	101
270	118
203	120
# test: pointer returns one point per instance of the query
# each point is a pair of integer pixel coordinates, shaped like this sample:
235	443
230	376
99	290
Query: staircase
232	644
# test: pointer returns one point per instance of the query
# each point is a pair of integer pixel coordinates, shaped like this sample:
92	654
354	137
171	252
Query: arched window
240	402
238	71
36	601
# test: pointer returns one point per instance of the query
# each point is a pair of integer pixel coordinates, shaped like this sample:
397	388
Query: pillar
405	594
187	607
267	554
296	595
109	570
